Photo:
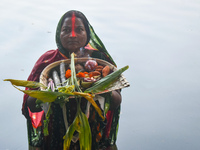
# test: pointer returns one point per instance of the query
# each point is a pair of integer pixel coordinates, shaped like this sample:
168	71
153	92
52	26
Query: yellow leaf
24	83
91	100
69	134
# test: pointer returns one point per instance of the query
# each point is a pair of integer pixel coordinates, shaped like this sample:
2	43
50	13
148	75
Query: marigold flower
80	75
68	73
85	72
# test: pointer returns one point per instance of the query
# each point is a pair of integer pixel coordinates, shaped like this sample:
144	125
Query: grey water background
158	39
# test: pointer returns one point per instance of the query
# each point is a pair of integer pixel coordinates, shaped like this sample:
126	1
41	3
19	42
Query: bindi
73	25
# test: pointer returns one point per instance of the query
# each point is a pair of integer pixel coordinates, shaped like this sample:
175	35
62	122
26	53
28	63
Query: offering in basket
78	77
88	72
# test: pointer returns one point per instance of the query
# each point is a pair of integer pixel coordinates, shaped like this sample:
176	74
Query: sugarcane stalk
62	73
105	82
56	79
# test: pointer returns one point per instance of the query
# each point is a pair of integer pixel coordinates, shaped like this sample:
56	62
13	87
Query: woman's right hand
31	103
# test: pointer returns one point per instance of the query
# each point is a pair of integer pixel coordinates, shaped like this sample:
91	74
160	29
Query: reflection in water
114	147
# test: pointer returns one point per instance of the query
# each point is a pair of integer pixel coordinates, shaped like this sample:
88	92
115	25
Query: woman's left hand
116	99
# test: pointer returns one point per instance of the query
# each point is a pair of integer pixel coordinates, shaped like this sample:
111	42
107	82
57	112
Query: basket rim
54	64
44	74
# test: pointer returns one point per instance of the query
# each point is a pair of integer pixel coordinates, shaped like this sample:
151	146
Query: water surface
159	40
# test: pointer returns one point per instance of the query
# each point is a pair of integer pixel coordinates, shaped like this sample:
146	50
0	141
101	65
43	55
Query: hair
80	15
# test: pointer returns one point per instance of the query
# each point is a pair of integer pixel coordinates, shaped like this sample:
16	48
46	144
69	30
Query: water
159	40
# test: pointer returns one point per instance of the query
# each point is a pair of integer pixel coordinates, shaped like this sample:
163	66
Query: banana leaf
45	96
85	136
24	83
106	82
69	134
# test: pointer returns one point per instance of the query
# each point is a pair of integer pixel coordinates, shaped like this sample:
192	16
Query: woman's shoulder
49	54
46	58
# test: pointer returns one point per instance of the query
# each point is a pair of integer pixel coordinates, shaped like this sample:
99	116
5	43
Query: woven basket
119	84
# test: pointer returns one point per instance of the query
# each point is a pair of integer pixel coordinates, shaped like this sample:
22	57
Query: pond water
159	40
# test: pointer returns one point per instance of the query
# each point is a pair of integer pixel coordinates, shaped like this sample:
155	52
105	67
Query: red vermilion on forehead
73	25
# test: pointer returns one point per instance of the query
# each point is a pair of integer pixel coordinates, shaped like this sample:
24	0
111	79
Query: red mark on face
73	25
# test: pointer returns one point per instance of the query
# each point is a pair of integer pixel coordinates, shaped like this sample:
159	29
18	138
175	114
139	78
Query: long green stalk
105	82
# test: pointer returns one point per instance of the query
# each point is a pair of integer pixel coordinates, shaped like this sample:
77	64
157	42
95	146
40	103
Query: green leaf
69	134
73	74
66	89
91	100
45	96
24	83
46	121
85	137
106	81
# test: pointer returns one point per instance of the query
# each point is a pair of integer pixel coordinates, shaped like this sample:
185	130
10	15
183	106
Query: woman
73	34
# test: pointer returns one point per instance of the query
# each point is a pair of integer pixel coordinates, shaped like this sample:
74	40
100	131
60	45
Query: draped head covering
93	41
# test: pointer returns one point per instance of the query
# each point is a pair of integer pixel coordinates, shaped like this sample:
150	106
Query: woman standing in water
74	34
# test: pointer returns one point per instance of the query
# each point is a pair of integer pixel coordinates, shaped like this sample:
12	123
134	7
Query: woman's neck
83	53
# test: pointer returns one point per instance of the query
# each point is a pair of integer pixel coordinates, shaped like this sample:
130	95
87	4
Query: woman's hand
32	105
116	99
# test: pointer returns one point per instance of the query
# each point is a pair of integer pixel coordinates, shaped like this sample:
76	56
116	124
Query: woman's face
73	35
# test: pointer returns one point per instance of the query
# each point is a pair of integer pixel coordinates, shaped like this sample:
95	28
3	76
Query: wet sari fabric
104	133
